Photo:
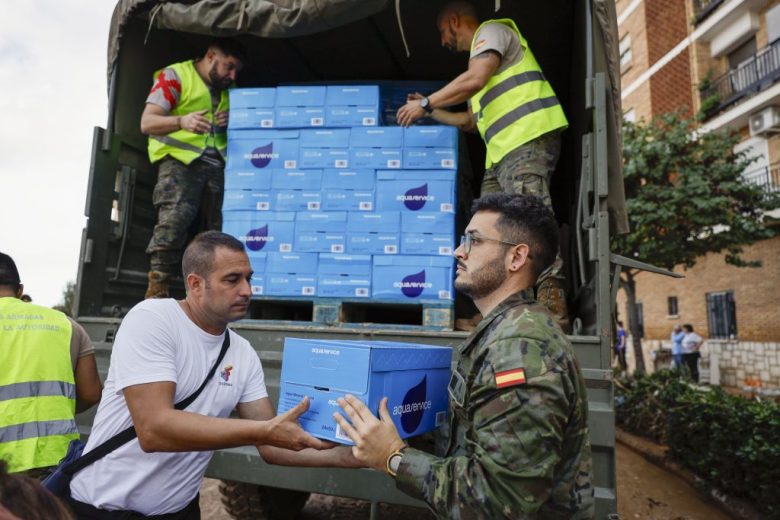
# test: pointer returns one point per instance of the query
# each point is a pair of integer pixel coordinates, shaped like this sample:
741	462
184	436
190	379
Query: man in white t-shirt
515	110
691	344
162	353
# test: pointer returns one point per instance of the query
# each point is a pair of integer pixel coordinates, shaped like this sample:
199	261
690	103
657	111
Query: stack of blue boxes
330	204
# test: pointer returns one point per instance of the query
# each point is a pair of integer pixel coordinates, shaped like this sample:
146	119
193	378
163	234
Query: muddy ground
645	491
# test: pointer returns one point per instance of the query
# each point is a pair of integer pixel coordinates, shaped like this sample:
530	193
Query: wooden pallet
354	312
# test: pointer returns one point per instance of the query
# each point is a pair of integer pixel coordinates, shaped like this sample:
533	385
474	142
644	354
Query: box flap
342	366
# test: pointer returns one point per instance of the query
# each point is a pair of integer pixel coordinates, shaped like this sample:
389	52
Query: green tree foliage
686	197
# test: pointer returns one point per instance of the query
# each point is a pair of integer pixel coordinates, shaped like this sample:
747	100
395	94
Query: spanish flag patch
479	44
510	378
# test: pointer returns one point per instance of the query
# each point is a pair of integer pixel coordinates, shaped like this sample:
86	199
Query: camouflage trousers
528	169
188	199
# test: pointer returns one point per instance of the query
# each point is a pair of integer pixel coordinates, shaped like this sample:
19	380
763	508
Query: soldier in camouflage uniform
515	110
517	441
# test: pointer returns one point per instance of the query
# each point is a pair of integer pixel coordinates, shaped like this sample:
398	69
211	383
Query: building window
773	24
629	116
625	53
671	303
722	315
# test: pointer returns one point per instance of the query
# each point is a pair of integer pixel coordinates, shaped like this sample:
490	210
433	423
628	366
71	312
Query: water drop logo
257	238
414	406
412	286
262	155
415	198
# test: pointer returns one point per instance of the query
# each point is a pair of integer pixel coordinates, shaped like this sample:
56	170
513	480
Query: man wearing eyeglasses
516	445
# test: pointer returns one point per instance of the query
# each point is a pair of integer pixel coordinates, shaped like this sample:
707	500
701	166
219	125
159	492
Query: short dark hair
524	219
458	8
688	327
198	258
25	497
229	47
9	274
620	323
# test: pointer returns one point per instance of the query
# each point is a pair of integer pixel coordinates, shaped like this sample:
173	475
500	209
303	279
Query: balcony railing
753	75
767	177
703	8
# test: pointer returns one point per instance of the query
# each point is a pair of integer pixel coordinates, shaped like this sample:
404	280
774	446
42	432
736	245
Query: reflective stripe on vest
37	386
195	96
516	105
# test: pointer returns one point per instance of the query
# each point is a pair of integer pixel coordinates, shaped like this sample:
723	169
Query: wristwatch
425	104
394	462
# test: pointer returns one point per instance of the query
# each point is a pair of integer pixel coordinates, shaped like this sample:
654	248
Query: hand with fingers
375	438
195	122
410	112
221	119
284	431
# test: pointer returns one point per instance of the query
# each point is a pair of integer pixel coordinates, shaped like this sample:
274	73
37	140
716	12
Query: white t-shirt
689	342
158	342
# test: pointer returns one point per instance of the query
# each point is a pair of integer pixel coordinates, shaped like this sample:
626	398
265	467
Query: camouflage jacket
517	442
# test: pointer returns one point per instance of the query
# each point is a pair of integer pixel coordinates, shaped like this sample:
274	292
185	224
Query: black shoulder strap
129	434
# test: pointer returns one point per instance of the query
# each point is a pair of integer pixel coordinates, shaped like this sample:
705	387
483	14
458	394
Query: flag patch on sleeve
510	378
479	44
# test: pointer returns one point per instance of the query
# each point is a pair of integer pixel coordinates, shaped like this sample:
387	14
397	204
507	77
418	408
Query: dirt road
645	492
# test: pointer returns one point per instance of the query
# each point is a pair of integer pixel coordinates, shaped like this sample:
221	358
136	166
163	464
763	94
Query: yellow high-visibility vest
37	387
516	105
195	95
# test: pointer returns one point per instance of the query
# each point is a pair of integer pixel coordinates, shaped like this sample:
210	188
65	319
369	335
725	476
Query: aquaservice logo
413	406
415	198
256	239
413	285
262	155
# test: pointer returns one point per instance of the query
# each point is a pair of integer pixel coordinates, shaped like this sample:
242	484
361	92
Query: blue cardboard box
286	284
413	377
262	149
336	95
376	158
431	136
411	278
380	221
427	222
251	118
427	244
261	231
300	96
252	98
330	221
298	200
325	138
298	263
320	242
299	117
376	243
344	276
341	179
248	180
257	200
296	179
324	158
430	158
258	261
257	283
378	137
415	190
346	116
347	200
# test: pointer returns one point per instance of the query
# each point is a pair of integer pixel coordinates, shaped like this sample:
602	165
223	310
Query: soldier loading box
413	377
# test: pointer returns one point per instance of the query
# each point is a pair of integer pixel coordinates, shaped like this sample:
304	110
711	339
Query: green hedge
731	442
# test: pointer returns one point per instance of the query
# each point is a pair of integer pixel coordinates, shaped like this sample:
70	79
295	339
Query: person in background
517	443
515	110
619	351
677	353
23	498
26	298
48	375
185	117
691	344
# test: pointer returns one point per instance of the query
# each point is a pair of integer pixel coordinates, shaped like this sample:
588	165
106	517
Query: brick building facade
721	57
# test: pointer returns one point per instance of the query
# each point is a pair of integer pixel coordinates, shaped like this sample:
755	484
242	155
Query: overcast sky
53	85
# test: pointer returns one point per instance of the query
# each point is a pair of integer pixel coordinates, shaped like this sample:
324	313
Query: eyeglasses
470	238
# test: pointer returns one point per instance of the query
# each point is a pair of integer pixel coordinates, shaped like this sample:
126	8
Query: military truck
359	41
